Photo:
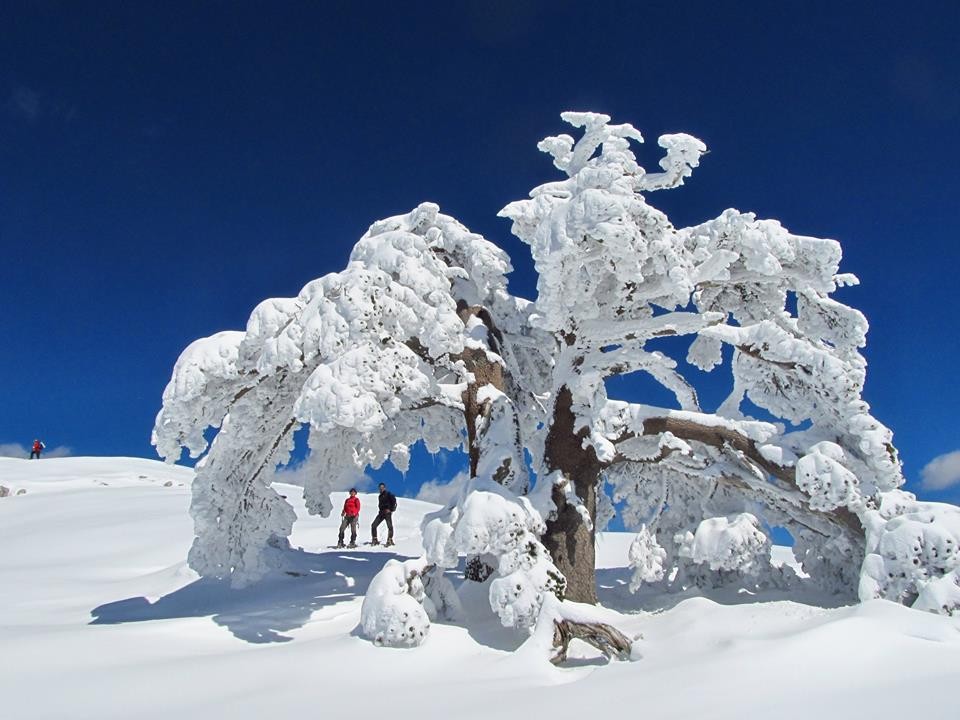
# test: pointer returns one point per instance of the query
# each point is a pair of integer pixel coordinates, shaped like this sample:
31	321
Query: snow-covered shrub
442	601
393	612
733	543
913	553
646	557
832	564
487	519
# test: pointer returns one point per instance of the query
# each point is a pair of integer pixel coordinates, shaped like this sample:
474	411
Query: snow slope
100	618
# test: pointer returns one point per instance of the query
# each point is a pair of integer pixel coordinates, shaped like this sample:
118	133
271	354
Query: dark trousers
350	520
34	454
381	516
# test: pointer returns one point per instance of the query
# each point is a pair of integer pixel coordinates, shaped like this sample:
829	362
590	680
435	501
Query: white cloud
26	103
33	105
16	450
942	472
434	491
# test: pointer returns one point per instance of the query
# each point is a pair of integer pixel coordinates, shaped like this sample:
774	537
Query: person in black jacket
386	504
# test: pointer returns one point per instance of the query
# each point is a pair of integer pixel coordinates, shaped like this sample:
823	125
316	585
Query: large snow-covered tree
418	339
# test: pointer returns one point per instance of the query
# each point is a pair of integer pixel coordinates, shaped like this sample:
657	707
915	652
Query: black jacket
387	501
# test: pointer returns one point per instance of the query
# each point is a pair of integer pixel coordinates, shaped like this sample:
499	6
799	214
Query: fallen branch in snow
605	638
561	621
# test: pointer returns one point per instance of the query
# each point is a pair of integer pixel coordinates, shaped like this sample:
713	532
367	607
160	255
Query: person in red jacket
350	516
37	449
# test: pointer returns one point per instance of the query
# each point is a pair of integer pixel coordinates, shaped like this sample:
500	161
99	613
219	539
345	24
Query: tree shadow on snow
480	622
613	591
261	613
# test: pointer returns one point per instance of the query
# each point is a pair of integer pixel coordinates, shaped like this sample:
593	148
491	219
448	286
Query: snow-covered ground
101	618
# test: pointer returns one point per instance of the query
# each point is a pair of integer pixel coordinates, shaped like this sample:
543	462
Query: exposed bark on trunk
485	372
568	538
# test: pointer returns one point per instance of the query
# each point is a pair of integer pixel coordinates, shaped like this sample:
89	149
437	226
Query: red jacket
37	446
351	506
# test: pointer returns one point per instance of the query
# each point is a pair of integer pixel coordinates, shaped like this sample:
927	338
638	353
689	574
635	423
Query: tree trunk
484	372
568	538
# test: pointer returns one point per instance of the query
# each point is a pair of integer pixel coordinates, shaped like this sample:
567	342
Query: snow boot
374	542
352	545
389	542
340	545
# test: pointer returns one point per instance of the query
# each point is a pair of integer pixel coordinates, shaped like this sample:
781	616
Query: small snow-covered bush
393	612
913	553
489	520
646	558
733	543
442	601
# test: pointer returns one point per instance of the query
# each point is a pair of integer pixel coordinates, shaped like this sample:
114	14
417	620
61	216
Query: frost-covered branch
365	357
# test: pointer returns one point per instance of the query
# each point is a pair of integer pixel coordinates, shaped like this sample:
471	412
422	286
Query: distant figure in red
350	516
37	449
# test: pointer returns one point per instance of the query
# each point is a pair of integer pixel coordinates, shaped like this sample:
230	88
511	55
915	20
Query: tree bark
484	372
568	538
605	638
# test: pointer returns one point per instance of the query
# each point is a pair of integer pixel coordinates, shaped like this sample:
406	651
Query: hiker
350	516
37	449
386	503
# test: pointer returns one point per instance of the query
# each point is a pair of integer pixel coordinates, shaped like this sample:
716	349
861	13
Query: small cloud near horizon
25	102
31	105
942	472
16	450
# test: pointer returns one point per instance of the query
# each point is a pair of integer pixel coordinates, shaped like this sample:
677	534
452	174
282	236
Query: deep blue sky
166	166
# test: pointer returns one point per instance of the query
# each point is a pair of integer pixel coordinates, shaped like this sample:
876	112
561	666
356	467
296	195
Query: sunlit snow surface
100	618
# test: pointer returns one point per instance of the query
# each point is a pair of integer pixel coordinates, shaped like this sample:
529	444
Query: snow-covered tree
417	339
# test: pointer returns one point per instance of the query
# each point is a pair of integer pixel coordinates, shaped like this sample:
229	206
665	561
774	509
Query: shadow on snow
613	591
261	613
283	602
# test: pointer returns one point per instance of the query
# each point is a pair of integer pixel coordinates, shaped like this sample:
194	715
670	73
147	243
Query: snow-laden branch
665	325
364	356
